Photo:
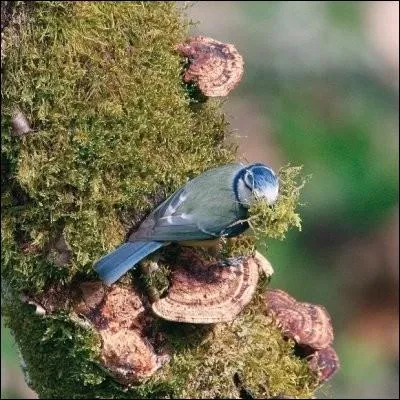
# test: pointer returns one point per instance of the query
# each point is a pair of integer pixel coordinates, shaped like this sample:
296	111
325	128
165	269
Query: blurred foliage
8	351
106	141
336	121
332	110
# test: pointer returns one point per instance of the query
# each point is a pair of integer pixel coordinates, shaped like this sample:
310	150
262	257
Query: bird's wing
200	210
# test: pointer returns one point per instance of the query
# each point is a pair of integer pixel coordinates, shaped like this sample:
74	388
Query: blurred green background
321	89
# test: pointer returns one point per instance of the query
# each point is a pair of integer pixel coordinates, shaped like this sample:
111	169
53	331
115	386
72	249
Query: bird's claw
231	262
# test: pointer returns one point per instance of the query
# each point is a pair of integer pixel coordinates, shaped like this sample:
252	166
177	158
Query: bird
211	206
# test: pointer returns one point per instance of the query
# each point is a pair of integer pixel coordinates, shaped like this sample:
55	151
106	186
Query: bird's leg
225	257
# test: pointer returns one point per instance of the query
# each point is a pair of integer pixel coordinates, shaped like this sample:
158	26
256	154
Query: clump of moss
156	282
242	245
113	125
274	221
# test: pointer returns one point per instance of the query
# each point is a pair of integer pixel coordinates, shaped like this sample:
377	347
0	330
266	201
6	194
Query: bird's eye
249	180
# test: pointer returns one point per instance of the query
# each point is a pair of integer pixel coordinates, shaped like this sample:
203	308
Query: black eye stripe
249	179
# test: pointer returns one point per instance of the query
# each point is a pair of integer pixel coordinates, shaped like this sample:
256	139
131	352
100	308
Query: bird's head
255	182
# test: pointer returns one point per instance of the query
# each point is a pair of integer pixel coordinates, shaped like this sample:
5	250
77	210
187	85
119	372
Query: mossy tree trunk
113	131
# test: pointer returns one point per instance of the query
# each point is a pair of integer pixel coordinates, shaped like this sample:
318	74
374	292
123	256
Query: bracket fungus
324	363
128	352
214	66
307	324
264	264
206	293
310	326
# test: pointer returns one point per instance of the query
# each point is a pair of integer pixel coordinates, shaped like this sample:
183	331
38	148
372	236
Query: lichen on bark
113	132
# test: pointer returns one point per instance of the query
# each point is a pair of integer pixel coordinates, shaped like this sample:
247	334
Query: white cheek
272	194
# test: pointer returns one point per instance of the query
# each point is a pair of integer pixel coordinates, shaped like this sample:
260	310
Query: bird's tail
112	266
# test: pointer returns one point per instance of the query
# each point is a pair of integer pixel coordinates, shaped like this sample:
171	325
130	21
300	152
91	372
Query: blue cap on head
259	181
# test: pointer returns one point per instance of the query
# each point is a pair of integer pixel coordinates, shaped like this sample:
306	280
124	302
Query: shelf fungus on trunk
310	326
324	363
264	264
214	66
131	346
205	292
307	324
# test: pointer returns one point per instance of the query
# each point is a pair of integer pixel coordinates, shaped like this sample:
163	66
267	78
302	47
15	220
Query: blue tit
212	205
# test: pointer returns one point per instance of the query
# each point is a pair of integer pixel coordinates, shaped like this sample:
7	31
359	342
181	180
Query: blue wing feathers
115	264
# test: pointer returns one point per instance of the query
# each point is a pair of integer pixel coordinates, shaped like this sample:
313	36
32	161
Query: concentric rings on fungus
310	326
203	293
214	66
118	314
307	324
